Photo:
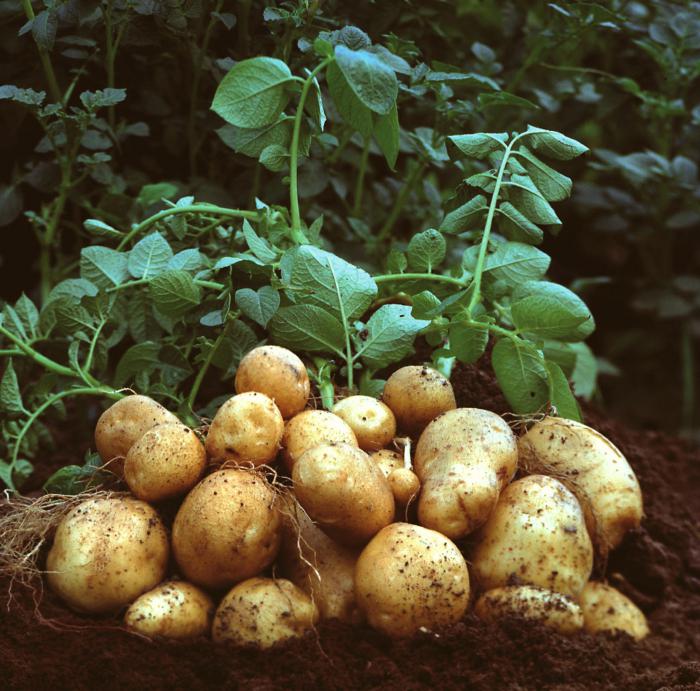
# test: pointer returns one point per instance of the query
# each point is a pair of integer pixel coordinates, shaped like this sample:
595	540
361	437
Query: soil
658	566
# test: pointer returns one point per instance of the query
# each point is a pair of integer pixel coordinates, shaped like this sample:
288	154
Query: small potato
342	489
311	428
174	609
166	461
606	609
371	420
553	610
417	395
123	424
279	374
107	551
409	577
262	612
247	428
227	529
594	469
535	536
388	460
404	483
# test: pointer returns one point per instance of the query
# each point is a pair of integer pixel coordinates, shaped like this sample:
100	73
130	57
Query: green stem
93	345
203	370
46	363
359	183
688	369
401	200
386	278
214	285
10	352
52	83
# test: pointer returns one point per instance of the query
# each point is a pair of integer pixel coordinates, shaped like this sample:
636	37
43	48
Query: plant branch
46	363
203	370
52	83
401	200
440	278
359	183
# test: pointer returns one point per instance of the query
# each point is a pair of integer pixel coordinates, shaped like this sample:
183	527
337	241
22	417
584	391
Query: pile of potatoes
388	502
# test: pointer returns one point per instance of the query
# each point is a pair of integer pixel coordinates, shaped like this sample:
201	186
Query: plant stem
688	369
52	83
440	278
203	370
214	285
359	183
42	360
401	200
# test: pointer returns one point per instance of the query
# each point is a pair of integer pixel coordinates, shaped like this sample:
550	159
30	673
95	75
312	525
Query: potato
553	610
279	374
227	529
606	609
371	420
343	490
166	461
464	458
174	609
106	552
409	577
535	536
311	428
404	483
262	612
388	460
123	424
593	469
247	428
417	395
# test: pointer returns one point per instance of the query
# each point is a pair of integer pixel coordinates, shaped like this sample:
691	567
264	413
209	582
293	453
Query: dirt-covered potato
417	395
606	609
388	460
404	483
553	610
535	536
409	577
123	424
464	459
262	612
174	609
279	374
166	461
594	469
247	428
371	420
344	491
311	428
227	529
106	552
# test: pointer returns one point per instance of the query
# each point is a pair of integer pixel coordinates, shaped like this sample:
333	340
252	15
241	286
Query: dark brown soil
659	567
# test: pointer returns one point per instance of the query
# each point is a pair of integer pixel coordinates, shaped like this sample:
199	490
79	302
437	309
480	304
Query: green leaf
561	353
426	305
73	479
149	256
478	145
388	336
553	185
517	225
259	306
253	93
240	339
426	250
75	288
560	395
372	80
503	98
10	204
252	142
142	357
188	260
155	193
10	395
525	196
26	312
386	132
465	217
396	262
516	262
259	246
350	107
468	341
307	328
103	267
554	144
585	374
101	229
274	157
521	375
314	104
174	292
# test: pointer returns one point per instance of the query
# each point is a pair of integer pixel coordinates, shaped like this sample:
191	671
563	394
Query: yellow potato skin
106	552
409	577
279	374
594	469
227	529
371	420
246	429
166	461
416	395
262	612
537	536
403	481
123	424
388	460
174	609
553	610
344	491
606	609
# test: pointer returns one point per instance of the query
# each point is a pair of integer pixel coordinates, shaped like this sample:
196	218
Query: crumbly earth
658	567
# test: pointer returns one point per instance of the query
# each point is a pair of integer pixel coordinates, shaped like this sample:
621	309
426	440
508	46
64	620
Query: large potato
107	551
371	420
553	610
247	428
262	612
464	458
166	461
535	536
311	428
606	609
343	490
227	529
279	374
123	424
174	609
417	395
594	469
409	577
